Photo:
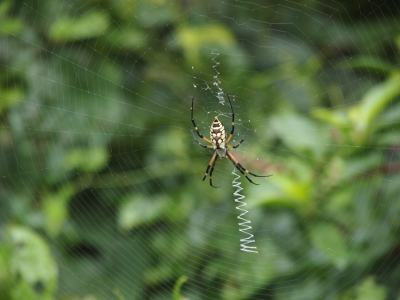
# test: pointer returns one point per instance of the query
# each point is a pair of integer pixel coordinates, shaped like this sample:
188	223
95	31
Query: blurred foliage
101	196
31	271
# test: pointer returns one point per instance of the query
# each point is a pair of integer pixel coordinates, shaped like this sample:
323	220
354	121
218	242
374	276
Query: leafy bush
101	194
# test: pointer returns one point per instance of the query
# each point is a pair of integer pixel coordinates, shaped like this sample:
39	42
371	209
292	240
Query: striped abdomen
218	136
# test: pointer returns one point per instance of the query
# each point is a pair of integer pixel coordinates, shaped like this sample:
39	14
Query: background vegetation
101	194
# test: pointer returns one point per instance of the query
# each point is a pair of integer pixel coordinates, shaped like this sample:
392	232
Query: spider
220	142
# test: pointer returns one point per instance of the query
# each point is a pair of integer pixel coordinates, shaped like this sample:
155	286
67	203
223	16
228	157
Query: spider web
101	193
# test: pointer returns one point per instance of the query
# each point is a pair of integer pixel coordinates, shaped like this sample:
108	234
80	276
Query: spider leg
197	129
244	137
233	122
211	165
204	146
242	169
211	171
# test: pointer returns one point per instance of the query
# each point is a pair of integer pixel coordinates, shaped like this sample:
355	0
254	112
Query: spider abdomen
218	136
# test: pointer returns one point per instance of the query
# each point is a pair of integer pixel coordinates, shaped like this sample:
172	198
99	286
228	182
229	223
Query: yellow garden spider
220	144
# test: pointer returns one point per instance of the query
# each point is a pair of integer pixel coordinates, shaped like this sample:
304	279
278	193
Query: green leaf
4	7
87	159
373	102
293	188
67	29
370	64
11	26
5	280
358	122
366	290
362	165
32	266
330	241
10	97
193	38
337	118
138	210
177	288
128	39
369	290
300	133
8	25
55	209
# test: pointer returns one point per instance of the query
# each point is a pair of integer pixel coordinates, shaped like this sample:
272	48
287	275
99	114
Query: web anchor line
245	224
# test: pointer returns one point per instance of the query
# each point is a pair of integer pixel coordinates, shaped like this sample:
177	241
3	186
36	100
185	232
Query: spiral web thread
244	224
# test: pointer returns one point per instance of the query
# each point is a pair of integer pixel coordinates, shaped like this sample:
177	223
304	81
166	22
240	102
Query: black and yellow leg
204	146
242	169
211	165
244	137
197	129
211	172
233	122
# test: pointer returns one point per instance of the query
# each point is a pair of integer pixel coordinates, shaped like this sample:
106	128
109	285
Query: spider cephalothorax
220	142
